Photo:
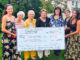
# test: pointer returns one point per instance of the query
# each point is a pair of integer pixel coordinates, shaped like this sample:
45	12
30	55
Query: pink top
19	25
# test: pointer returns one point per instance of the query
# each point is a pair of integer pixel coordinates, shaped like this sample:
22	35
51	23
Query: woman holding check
73	42
56	20
30	22
43	21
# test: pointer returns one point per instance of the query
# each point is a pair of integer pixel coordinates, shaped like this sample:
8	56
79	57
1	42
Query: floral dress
9	44
73	44
79	45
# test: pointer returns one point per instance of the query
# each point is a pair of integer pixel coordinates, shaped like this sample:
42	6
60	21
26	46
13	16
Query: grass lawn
0	48
51	57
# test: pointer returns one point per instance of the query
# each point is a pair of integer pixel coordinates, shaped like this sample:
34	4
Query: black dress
67	24
68	30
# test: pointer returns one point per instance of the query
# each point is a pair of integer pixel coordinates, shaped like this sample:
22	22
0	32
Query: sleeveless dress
9	44
72	46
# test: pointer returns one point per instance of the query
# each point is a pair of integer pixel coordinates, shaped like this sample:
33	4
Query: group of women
10	24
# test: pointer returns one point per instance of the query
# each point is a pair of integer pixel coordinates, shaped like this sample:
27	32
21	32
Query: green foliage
36	6
22	5
1	10
0	27
25	5
48	6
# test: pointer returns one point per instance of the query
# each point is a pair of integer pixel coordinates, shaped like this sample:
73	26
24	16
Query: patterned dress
56	22
9	43
72	46
79	45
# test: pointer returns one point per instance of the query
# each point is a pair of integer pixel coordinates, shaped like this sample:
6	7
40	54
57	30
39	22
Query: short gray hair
21	12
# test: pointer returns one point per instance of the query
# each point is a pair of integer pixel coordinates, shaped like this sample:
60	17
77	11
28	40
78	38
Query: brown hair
60	13
77	13
5	12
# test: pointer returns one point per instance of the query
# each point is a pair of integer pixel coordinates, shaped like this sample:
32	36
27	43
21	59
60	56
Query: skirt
73	47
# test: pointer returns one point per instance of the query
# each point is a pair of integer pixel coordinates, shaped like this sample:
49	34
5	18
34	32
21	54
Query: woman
72	45
67	14
79	35
57	21
9	37
43	21
30	23
19	20
19	23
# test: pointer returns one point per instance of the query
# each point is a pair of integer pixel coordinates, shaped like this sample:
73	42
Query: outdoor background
37	5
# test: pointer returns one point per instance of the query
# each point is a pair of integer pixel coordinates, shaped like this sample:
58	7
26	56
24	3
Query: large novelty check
34	39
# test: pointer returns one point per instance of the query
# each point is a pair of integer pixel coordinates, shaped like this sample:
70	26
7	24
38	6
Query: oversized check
34	39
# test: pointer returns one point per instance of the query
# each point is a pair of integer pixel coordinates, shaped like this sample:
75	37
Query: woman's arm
77	30
67	28
4	20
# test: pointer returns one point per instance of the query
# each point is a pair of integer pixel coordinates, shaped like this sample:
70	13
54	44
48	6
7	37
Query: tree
61	2
25	5
1	12
35	5
22	5
47	5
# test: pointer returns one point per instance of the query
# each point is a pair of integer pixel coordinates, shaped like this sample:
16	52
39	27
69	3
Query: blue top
56	23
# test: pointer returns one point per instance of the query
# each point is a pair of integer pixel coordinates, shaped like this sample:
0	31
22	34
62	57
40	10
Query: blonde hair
43	10
67	10
31	11
21	12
